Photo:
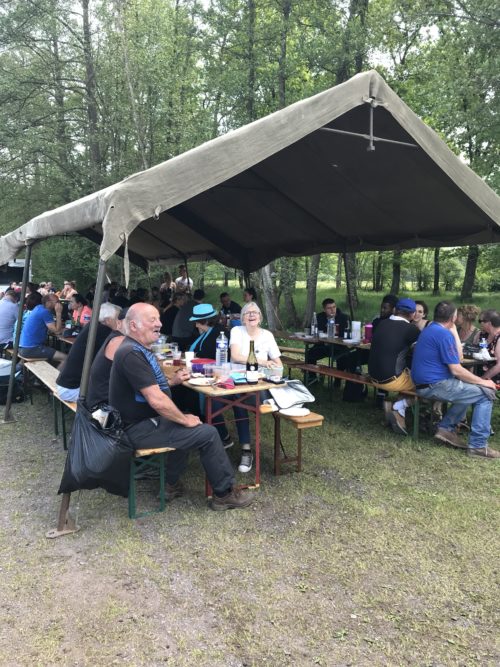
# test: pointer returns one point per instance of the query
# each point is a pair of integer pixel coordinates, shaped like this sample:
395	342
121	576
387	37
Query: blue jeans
461	395
241	417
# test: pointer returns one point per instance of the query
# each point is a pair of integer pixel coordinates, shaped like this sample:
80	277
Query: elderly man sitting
139	390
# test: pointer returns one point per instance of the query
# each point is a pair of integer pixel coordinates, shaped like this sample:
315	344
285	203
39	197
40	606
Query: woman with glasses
268	355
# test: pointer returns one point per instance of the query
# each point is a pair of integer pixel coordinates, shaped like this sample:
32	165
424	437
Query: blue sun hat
203	311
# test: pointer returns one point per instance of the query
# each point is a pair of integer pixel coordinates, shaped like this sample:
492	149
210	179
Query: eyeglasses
481	321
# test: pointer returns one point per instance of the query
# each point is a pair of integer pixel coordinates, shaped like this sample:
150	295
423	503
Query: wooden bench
311	420
48	374
367	381
291	362
147	459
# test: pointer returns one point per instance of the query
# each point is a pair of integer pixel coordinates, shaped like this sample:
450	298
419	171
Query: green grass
383	551
369	302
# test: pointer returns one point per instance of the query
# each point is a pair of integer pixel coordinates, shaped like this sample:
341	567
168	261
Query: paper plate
295	412
201	382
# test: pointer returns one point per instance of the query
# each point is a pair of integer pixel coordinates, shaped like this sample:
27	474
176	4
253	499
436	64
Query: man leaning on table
141	393
322	350
438	375
34	332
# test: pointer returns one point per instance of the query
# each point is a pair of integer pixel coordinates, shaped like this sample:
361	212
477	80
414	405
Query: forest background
92	91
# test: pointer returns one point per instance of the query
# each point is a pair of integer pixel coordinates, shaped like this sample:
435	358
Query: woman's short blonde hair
469	312
251	305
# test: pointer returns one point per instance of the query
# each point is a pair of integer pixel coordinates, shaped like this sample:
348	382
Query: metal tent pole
65	523
7	415
89	351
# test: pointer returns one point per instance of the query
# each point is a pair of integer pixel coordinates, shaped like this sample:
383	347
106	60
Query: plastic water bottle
330	329
221	346
483	344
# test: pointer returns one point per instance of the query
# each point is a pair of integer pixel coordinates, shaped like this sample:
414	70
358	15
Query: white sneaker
246	461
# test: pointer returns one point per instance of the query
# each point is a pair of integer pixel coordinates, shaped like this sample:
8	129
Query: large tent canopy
350	169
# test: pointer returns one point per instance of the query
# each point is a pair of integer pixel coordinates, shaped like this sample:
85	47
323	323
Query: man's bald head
143	323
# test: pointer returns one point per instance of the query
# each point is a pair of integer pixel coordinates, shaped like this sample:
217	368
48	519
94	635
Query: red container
368	332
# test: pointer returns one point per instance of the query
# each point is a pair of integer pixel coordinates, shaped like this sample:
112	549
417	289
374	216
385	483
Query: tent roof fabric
287	185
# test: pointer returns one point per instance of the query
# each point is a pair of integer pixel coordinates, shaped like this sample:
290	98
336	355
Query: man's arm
57	326
458	342
463	374
165	407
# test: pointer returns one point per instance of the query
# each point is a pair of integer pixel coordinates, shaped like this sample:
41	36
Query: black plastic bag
97	456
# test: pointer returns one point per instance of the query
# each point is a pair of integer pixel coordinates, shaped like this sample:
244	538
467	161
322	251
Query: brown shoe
174	490
397	422
235	499
450	438
485	452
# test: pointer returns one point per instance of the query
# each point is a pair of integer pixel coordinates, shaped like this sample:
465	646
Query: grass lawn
382	552
369	302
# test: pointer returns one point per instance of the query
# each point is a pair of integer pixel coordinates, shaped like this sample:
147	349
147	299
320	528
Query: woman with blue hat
206	320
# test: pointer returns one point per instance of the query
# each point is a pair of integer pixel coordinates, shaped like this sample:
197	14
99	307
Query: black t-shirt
390	348
167	320
98	391
232	309
71	374
134	368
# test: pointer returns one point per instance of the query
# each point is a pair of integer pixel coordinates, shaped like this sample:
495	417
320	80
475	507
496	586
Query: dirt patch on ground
381	552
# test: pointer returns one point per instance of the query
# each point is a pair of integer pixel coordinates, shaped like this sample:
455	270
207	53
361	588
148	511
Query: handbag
292	395
97	456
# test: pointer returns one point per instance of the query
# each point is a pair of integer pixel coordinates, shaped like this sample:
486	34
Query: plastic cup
176	356
208	370
276	373
307	331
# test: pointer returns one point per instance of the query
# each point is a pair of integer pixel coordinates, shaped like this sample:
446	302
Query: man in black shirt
321	350
388	363
139	390
68	380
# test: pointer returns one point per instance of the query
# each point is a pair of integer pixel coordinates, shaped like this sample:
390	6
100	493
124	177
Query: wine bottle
252	365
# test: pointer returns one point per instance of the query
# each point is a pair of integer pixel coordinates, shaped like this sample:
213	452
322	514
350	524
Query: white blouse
265	345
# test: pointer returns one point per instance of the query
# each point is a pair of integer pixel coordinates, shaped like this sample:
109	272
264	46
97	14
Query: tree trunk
269	297
338	274
91	99
435	289
226	277
311	285
350	277
396	271
379	263
470	273
288	278
201	278
251	75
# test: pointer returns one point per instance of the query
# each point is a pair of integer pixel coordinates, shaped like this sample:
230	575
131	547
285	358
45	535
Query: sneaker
397	422
174	490
227	442
450	438
485	452
246	461
387	412
235	499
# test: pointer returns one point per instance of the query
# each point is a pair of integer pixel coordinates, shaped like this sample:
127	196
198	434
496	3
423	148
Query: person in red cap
389	360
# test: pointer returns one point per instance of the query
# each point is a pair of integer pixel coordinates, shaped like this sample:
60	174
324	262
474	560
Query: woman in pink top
82	312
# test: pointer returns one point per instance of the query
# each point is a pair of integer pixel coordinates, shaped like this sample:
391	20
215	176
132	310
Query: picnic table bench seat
311	420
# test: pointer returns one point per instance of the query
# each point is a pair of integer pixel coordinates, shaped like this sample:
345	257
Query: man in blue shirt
34	332
438	374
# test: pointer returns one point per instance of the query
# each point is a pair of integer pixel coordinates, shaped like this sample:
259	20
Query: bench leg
63	427
56	419
277	444
155	462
